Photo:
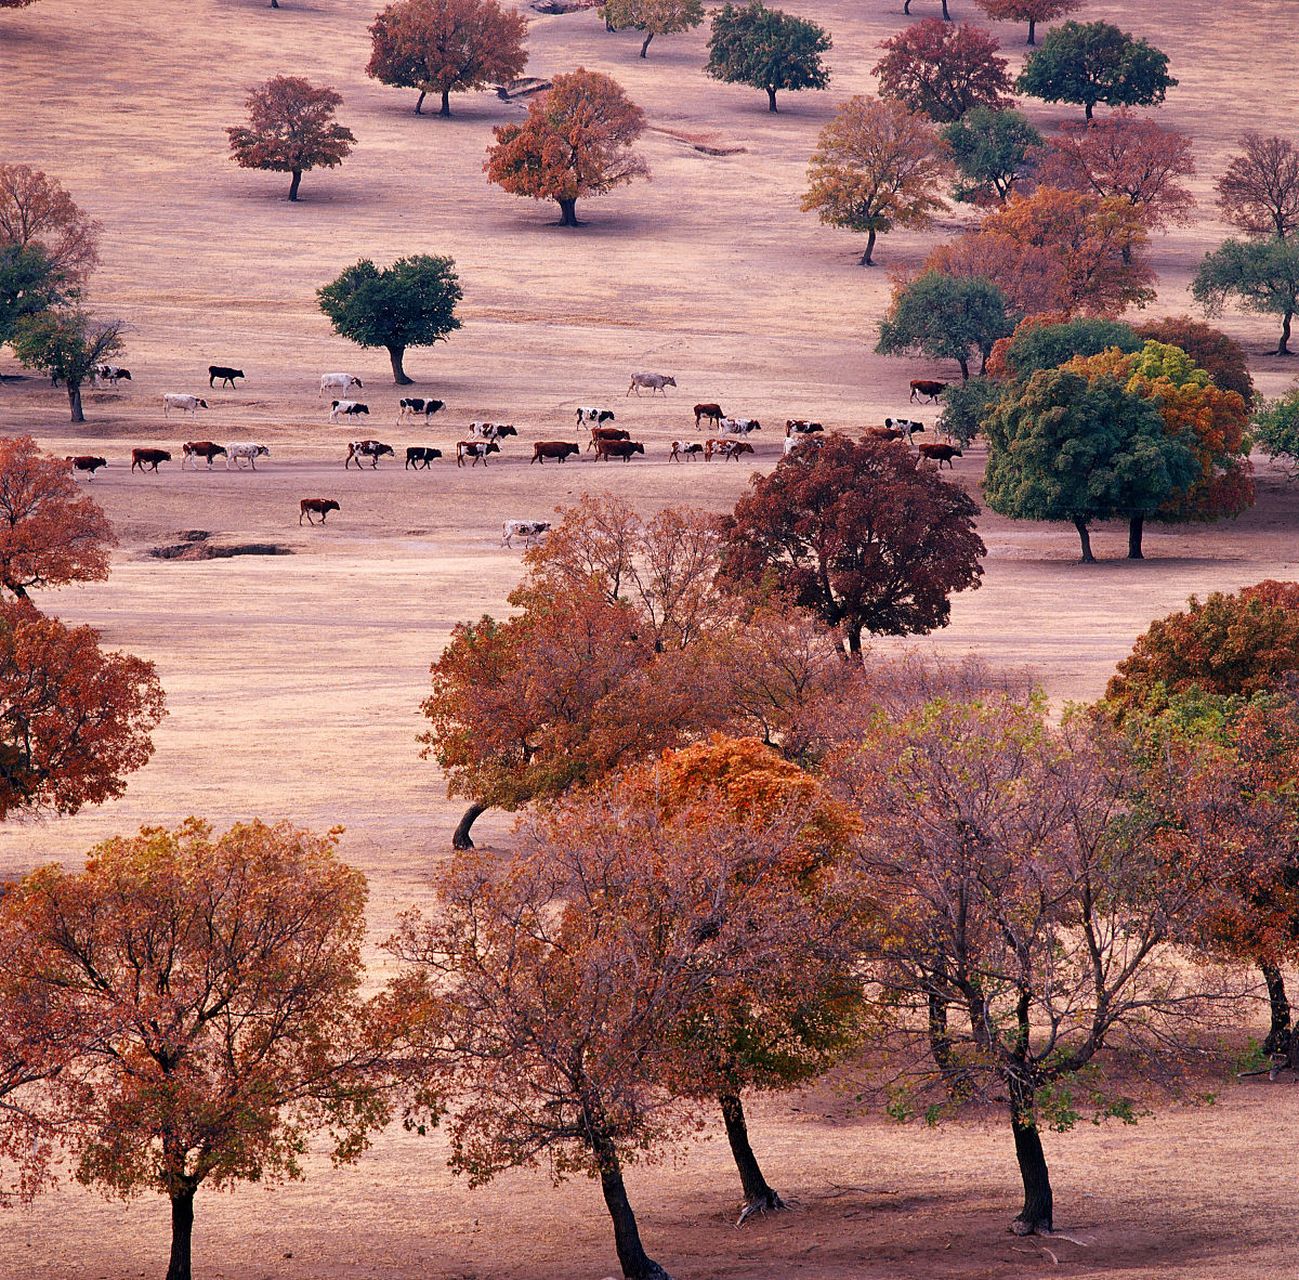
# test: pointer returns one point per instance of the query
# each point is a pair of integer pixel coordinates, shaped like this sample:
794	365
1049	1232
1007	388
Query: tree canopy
1043	342
653	17
767	49
1259	193
37	213
944	70
994	151
1030	11
1262	275
1276	429
946	318
1223	358
67	343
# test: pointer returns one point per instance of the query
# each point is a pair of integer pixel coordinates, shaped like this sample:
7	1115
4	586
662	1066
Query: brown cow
86	462
685	448
606	433
606	449
940	453
148	459
884	433
557	449
921	386
321	506
733	448
713	412
193	450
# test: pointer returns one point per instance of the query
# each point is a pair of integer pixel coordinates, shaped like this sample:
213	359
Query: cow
940	453
491	430
557	449
187	404
606	433
713	412
86	462
654	381
241	453
412	405
794	443
475	449
348	408
113	373
884	433
907	426
528	530
372	449
342	383
688	449
225	373
728	449
193	450
596	417
606	449
802	427
923	387
321	506
738	426
419	456
148	459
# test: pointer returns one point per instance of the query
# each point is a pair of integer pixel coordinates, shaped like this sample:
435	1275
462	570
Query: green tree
965	405
1062	447
993	151
29	283
1042	343
946	318
767	49
1276	429
1263	275
1091	62
409	304
67	344
653	17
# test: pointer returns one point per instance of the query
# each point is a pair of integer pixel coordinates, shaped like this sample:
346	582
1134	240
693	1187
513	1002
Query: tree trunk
295	184
1283	347
771	98
965	368
395	357
1036	1217
1032	31
1136	526
461	839
940	1045
1278	1036
906	7
568	213
1085	537
182	1231
636	1263
74	401
854	639
445	109
759	1195
947	17
275	4
419	103
866	259
1087	110
644	49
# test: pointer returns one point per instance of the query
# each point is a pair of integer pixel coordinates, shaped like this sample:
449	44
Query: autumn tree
1096	62
1222	357
412	303
446	46
1045	342
876	166
291	128
221	977
576	142
994	152
653	17
943	70
1061	447
1262	275
67	343
37	213
1030	11
859	536
1259	193
767	49
946	318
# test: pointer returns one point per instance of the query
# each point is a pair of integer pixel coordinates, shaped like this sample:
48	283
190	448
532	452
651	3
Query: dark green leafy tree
1276	430
993	151
409	304
1096	62
1262	275
29	283
67	344
767	49
965	405
1061	447
946	318
1043	343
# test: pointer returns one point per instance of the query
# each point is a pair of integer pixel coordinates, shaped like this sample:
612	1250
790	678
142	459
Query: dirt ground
293	681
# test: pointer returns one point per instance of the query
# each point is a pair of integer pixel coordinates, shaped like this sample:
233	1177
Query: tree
219	977
446	46
965	405
1091	62
291	128
946	318
767	49
67	344
1276	429
36	213
29	284
944	70
853	532
1263	275
15	4
409	304
876	166
994	151
906	9
1260	190
1043	342
1223	358
1129	158
576	142
1030	11
1061	447
653	17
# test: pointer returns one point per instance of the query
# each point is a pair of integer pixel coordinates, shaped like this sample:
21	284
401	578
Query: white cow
528	530
738	426
491	430
339	383
802	427
596	417
187	404
652	381
349	408
245	452
110	373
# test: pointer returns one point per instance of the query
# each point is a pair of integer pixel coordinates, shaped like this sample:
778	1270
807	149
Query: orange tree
576	142
37	213
943	70
1030	11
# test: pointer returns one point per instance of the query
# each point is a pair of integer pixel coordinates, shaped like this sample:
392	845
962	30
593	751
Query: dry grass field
293	681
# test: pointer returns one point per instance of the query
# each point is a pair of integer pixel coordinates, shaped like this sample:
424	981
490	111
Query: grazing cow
606	449
884	433
940	453
923	387
341	383
653	381
225	373
372	449
193	450
794	443
419	456
148	459
86	462
491	430
241	453
738	426
475	449
321	506
187	404
113	373
713	412
412	405
685	448
728	449
348	408
606	433
528	530
907	426
596	417
557	449
802	427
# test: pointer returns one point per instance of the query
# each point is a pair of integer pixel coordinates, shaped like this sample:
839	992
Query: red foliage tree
943	70
1030	11
1259	193
36	211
